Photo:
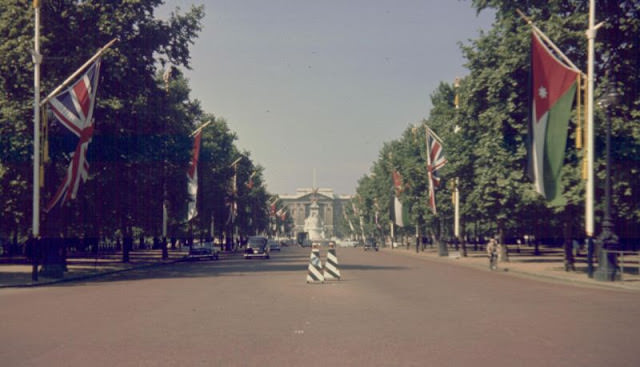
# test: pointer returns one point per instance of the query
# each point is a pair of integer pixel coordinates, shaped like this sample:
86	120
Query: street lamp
607	262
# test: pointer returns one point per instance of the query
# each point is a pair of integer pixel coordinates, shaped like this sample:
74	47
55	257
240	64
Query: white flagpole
79	71
37	59
201	127
550	43
234	192
165	219
213	235
456	202
589	202
433	133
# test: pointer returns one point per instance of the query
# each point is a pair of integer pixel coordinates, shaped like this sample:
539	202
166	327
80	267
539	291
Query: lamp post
607	262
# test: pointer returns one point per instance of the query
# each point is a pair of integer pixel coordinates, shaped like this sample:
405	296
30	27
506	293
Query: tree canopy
484	136
144	115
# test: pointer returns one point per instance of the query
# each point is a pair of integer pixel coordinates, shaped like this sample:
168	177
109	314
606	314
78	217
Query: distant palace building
330	208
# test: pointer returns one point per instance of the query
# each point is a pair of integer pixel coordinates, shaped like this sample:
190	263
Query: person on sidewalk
493	249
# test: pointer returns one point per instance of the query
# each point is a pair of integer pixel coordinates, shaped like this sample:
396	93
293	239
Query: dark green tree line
484	139
144	116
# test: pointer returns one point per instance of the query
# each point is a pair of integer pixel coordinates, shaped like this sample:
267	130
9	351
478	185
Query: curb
90	276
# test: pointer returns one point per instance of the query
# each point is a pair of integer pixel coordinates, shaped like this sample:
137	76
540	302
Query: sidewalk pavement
548	266
16	272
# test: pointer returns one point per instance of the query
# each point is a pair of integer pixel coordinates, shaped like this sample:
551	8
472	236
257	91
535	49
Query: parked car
370	244
347	243
274	245
204	250
257	246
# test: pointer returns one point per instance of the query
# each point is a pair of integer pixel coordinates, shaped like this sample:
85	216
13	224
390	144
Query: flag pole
234	191
235	162
165	219
79	71
433	133
456	202
549	42
37	60
589	202
200	128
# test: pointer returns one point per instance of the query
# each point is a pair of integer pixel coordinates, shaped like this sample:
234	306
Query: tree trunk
463	244
569	261
504	250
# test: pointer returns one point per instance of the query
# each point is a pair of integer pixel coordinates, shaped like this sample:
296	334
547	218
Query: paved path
549	266
17	273
389	309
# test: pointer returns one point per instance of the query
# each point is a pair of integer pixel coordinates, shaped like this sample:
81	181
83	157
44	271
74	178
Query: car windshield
256	243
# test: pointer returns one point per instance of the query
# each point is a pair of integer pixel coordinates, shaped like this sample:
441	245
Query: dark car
257	246
274	245
204	250
370	244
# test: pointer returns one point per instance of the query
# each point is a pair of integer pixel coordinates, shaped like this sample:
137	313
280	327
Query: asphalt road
388	310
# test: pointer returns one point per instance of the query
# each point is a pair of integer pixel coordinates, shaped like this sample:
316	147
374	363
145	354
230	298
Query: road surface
388	310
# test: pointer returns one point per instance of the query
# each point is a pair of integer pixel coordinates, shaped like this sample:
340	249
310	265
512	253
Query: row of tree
484	133
144	116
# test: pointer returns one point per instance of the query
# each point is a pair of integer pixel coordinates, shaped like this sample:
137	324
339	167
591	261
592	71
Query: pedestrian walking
492	253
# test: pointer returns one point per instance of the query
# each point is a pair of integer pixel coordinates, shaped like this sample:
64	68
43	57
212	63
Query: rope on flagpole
579	112
550	43
433	134
79	71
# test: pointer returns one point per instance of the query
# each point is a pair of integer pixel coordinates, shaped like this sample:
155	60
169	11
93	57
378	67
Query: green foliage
484	138
143	123
16	129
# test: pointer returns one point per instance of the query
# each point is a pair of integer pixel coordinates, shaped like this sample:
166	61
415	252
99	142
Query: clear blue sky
324	83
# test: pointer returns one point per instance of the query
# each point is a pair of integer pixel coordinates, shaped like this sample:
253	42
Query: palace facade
331	207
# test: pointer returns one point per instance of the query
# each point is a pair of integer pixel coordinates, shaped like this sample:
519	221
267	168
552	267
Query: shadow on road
228	265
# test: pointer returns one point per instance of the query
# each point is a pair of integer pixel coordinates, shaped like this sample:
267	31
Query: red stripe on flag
551	78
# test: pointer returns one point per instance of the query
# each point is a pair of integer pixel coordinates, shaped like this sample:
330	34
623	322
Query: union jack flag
435	161
73	108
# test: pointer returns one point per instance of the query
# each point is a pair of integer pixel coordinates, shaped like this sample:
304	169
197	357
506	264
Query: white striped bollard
314	273
331	271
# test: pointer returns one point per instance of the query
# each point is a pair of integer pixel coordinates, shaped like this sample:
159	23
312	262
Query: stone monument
313	224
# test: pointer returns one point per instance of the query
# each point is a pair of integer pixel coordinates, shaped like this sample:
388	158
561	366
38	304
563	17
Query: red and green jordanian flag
553	89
